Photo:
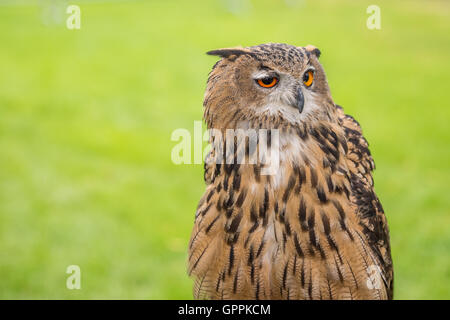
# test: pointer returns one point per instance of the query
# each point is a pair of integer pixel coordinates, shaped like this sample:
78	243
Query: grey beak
300	99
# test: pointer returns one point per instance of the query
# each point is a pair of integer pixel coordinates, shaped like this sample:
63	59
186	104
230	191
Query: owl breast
287	234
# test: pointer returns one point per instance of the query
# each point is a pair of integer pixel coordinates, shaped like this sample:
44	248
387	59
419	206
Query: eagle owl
314	228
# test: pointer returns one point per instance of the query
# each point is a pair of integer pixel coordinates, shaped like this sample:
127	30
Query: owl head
267	86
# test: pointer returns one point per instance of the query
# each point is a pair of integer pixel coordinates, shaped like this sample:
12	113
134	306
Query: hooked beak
299	99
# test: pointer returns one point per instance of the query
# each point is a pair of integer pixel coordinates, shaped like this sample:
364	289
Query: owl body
313	228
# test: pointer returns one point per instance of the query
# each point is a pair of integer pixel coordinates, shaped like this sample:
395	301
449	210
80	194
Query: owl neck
310	156
315	155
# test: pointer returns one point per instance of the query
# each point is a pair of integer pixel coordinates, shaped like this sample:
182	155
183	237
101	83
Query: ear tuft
312	49
228	52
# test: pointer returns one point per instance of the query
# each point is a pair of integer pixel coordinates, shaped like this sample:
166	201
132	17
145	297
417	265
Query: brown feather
313	230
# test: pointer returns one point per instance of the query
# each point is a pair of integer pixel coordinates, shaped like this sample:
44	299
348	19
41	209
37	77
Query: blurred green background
86	117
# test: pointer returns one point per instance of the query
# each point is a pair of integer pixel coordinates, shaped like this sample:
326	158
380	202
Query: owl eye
308	78
268	82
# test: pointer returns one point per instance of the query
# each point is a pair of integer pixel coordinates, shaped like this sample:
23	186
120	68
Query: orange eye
308	78
268	82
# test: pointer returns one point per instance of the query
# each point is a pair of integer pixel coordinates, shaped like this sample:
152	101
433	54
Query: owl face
283	93
283	83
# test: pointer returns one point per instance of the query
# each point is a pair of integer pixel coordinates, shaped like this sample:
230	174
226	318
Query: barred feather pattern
312	235
313	230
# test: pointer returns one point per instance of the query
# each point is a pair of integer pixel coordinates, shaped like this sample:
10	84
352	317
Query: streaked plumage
314	230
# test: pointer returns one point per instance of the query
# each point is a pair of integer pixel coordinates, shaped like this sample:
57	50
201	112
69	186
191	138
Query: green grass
86	118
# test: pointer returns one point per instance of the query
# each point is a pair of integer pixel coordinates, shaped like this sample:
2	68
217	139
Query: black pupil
267	81
306	77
